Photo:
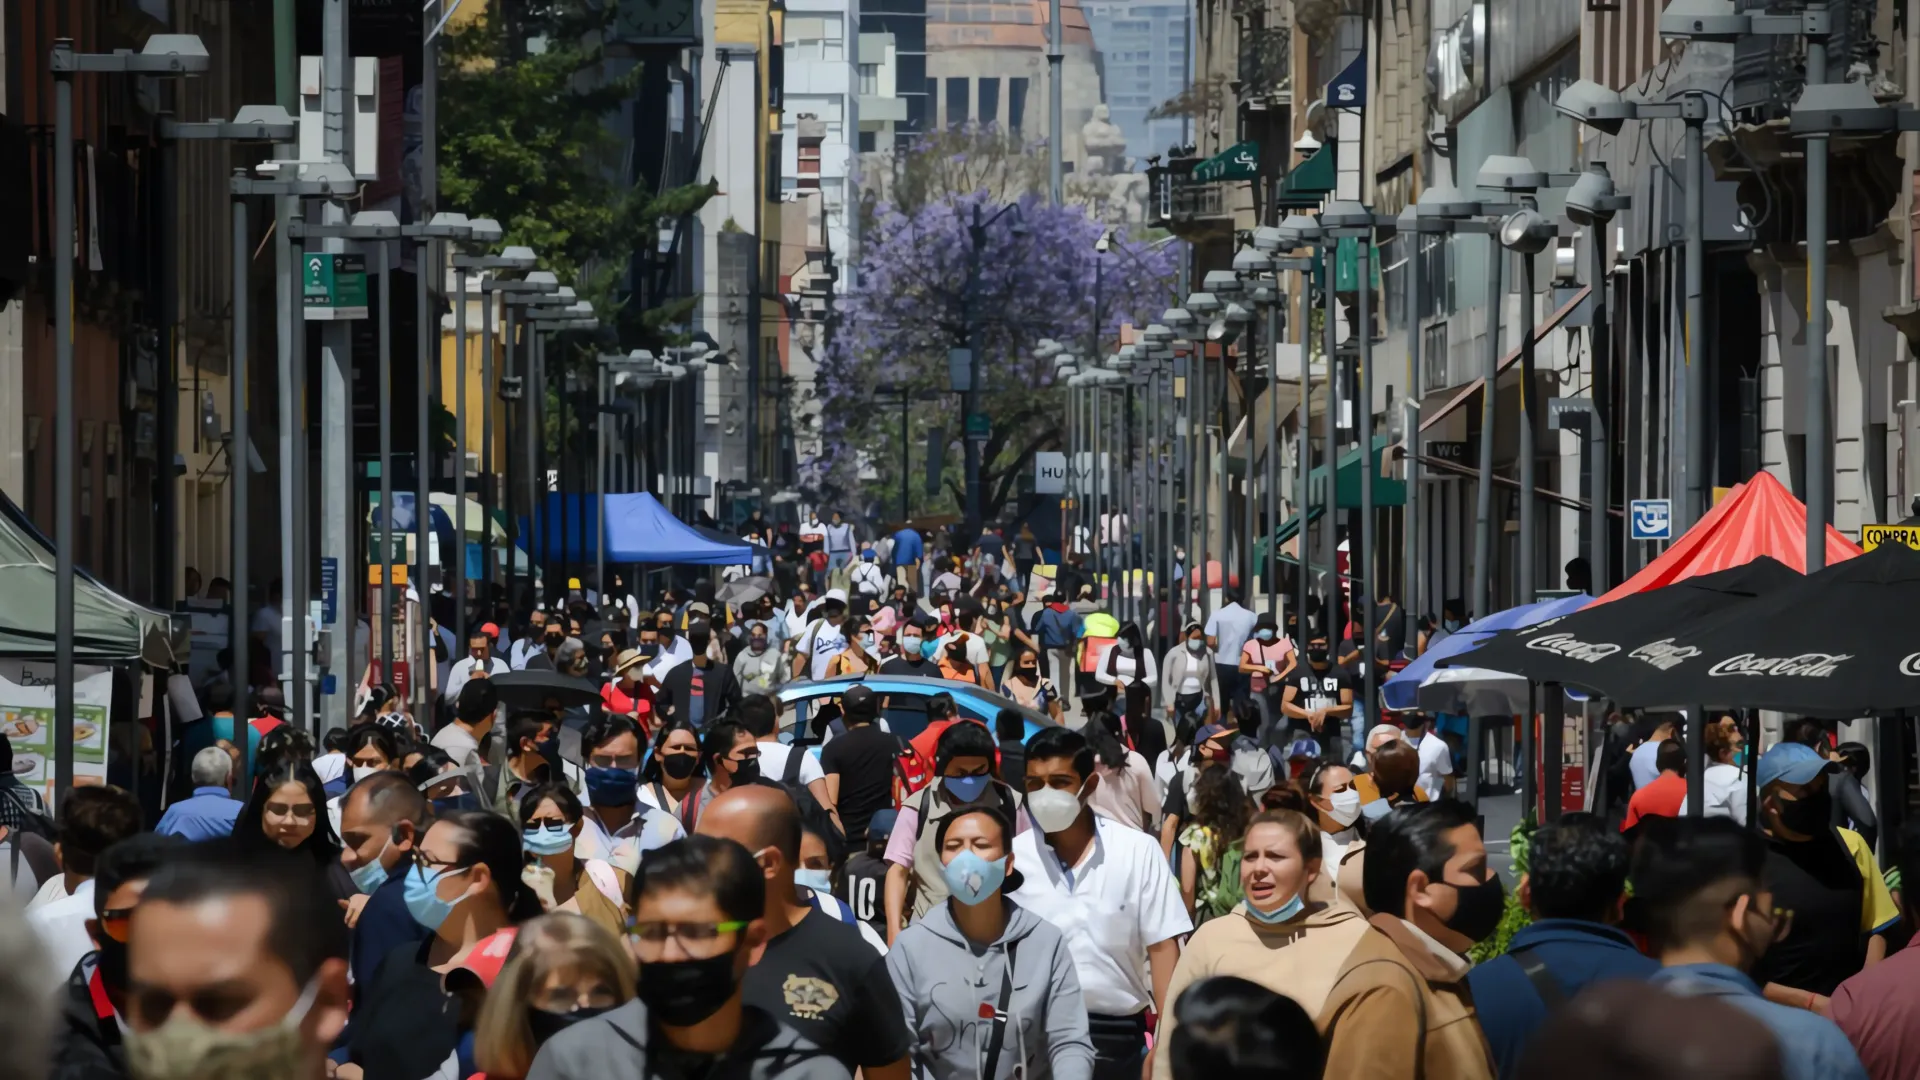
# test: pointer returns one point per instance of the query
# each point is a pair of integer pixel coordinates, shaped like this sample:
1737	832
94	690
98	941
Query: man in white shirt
1436	757
472	720
822	640
1641	763
868	579
1227	631
524	649
91	820
479	662
760	715
1110	892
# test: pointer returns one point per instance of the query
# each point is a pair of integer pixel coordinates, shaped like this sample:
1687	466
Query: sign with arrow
333	287
1241	161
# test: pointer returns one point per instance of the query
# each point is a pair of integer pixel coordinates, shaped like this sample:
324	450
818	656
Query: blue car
970	700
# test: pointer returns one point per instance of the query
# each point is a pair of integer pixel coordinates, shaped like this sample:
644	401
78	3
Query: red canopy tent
1759	517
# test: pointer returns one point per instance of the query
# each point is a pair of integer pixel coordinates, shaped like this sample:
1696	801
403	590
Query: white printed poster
26	719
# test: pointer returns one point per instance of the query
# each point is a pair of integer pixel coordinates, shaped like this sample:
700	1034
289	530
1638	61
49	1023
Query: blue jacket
907	547
1575	951
1057	629
1812	1047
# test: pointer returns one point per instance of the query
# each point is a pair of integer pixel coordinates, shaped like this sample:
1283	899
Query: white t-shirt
61	927
1121	899
821	643
1726	788
977	653
1642	764
460	672
1436	761
773	763
52	889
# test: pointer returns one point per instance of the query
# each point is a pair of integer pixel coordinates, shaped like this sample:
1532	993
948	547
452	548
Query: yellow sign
1872	536
374	574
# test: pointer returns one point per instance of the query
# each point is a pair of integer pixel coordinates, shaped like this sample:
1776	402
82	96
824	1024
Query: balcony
1192	209
1264	73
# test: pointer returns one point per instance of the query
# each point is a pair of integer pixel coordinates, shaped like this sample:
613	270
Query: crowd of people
1148	865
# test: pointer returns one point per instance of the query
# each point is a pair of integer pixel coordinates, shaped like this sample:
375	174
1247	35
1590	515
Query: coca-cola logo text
1664	654
1806	665
1573	648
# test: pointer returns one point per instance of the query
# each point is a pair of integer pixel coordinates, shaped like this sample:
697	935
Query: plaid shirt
15	796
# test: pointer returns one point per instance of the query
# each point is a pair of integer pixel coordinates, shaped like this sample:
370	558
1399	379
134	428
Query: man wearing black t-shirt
859	764
864	883
1319	698
907	713
816	975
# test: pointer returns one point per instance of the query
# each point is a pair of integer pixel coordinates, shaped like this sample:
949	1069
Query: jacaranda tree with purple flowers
911	303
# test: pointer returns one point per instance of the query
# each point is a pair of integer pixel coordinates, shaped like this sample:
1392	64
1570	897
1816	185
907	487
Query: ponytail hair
484	837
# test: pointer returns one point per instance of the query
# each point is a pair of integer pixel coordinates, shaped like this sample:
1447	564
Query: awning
1270	408
639	530
106	625
1540	332
1387	490
1311	182
443	505
1285	536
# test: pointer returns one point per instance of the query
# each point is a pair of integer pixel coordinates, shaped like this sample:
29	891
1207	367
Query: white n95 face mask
1053	810
1345	807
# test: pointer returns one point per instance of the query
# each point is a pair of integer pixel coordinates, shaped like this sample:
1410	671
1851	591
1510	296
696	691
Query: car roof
920	685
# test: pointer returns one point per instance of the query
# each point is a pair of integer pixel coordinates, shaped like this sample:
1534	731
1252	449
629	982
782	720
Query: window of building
957	100
868	143
870	79
1016	104
989	109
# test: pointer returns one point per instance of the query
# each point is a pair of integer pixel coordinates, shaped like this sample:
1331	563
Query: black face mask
113	963
1478	914
545	1025
746	771
1317	657
685	992
678	766
550	751
1809	815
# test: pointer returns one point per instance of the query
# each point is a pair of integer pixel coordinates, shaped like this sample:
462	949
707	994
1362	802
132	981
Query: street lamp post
977	242
564	314
176	54
509	388
441	226
484	230
481	231
627	376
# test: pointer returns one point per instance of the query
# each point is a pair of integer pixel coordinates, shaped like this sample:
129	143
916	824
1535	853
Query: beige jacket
1392	985
1298	958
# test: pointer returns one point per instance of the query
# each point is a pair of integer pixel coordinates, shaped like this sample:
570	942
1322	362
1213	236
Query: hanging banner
1241	161
27	720
1348	90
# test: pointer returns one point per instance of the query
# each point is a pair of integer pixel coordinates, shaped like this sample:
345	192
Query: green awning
1387	490
1312	181
1287	531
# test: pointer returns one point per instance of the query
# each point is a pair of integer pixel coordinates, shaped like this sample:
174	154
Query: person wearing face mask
1267	659
234	968
553	635
963	760
1825	875
957	663
533	758
529	643
1109	890
815	972
1277	936
862	654
1026	685
904	712
1713	917
381	820
1058	628
88	1040
759	666
729	757
1399	1006
672	771
1336	809
702	687
1130	668
823	639
563	970
1023	974
479	663
618	826
211	811
1189	681
627	693
813	882
1318	699
472	721
1575	888
697	926
551	820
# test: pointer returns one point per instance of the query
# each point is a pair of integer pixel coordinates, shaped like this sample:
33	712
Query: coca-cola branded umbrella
1610	646
1838	643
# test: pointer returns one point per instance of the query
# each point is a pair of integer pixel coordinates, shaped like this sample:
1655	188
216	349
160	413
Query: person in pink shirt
1266	660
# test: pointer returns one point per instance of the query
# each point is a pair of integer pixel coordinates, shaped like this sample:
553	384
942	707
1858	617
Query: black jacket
722	689
86	1039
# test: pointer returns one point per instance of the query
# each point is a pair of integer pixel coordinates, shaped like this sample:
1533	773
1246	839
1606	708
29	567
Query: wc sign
1651	519
1049	473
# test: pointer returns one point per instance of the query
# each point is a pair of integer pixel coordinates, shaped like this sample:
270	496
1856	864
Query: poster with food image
27	720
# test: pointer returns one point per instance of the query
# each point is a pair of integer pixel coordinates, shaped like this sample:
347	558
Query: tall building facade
905	21
1144	60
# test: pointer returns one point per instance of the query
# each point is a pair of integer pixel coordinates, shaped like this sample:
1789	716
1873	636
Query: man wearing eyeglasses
697	924
87	1041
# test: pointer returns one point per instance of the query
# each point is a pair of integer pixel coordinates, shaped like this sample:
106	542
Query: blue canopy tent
638	530
1402	690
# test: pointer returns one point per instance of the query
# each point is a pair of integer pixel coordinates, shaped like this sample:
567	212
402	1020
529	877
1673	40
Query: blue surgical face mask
966	788
608	786
423	902
371	875
972	879
1450	625
1279	915
819	881
1264	634
548	839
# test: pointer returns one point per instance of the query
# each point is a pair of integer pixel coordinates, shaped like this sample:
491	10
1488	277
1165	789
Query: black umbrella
533	689
1603	647
744	590
1839	643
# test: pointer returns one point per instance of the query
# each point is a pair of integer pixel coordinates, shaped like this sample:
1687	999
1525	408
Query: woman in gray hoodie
987	987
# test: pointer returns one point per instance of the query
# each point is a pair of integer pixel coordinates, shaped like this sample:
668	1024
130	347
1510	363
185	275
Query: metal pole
600	485
1303	465
486	452
530	394
1694	111
287	322
1056	139
1095	503
386	560
1600	548
971	399
63	447
427	340
1330	603
1202	472
1819	448
300	540
167	407
1226	476
338	500
1553	731
239	637
1527	555
1411	602
460	603
1270	502
1482	598
1363	417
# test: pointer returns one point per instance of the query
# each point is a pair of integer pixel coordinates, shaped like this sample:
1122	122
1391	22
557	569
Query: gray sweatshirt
944	979
615	1044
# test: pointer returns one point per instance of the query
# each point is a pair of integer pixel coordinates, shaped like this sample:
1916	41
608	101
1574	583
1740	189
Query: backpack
1217	888
912	771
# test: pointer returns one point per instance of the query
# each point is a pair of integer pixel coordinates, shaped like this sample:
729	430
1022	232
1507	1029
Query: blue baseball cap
1792	763
880	825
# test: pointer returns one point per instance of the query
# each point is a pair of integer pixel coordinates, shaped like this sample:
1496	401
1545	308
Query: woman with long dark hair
1126	791
287	810
1210	844
673	769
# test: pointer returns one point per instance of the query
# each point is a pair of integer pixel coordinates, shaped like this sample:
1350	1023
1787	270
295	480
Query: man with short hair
479	663
1712	916
1433	896
1666	796
697	899
1318	699
858	766
1109	890
815	973
211	811
91	820
618	827
702	687
382	819
1575	888
1644	763
523	649
88	1043
532	757
1436	757
783	763
1227	631
821	641
230	949
472	720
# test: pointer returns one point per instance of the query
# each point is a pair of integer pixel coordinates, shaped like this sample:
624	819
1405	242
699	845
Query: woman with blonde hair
1276	936
563	969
